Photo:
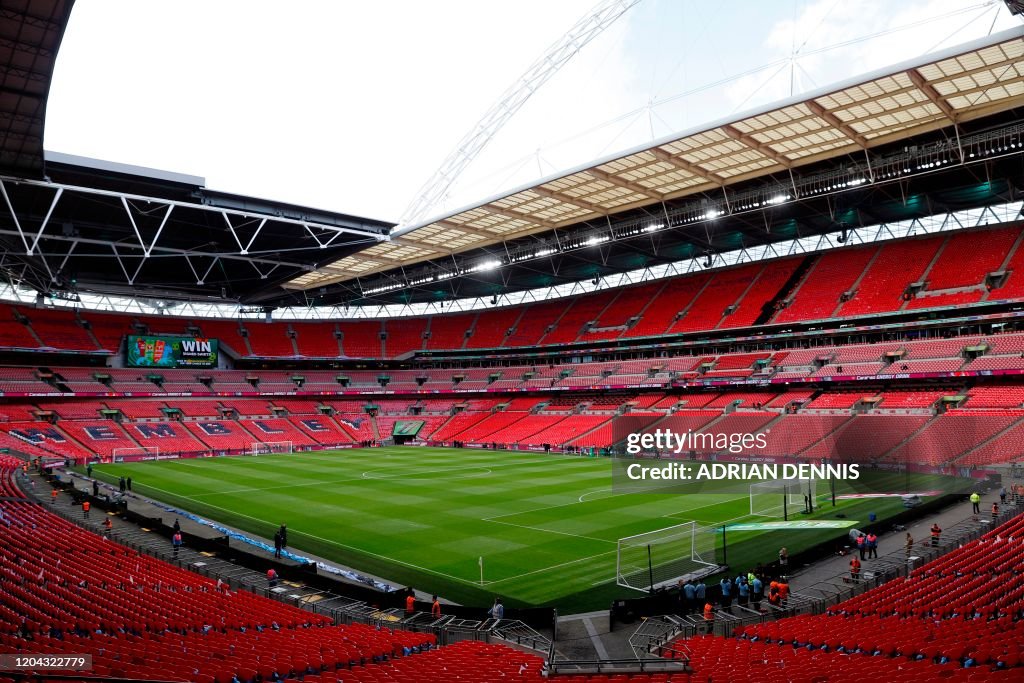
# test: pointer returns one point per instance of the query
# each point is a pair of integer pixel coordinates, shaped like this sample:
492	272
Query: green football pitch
546	525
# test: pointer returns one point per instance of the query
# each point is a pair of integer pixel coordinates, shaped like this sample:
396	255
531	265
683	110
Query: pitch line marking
326	540
550	531
554	566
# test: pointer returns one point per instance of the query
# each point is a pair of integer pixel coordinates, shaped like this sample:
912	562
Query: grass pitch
546	525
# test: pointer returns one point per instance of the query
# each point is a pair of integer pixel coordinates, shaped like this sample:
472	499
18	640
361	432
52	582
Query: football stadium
741	402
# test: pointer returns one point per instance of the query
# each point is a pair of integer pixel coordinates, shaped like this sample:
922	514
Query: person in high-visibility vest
872	543
85	508
709	612
855	569
936	533
995	511
53	496
975	502
435	608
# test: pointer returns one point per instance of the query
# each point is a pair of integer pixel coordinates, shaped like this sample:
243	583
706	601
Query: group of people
435	604
747	590
975	498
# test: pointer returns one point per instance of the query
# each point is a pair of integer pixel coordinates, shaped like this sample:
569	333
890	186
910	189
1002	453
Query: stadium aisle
893	542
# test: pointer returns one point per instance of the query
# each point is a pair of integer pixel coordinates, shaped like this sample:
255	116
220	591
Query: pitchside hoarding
170	352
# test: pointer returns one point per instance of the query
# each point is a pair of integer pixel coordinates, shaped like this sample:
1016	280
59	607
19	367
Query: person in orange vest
855	569
107	526
272	577
53	496
85	509
995	511
410	602
783	592
861	545
936	533
872	543
176	542
435	608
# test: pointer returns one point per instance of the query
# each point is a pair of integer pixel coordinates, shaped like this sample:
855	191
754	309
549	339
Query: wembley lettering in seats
36	435
156	430
101	433
214	428
314	425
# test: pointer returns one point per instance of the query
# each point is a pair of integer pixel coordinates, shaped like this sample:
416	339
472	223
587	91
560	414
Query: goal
781	497
135	453
265	448
658	557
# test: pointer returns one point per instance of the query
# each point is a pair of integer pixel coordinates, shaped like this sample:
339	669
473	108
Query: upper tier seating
833	273
361	339
876	276
269	339
59	329
317	340
897	265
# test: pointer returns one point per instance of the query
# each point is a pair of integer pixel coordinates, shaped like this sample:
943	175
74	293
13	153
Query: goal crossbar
645	561
776	497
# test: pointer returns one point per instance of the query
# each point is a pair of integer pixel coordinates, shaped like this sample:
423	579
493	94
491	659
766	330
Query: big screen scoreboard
170	352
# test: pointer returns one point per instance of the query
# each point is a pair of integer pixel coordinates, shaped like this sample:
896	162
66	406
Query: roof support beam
419	245
931	93
625	184
753	144
834	121
568	199
498	211
466	229
689	167
236	213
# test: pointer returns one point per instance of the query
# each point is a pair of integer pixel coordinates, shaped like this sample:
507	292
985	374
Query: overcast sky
352	106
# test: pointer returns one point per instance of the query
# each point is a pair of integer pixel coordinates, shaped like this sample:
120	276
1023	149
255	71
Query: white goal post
659	557
778	497
136	452
267	447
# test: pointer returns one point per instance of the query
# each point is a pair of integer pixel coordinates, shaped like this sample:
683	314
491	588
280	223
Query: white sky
352	106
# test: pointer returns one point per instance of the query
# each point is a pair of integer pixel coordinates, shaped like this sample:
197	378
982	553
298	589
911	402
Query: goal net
135	453
265	448
651	559
779	496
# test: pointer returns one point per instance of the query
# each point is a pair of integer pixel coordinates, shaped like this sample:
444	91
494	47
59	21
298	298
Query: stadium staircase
840	302
788	290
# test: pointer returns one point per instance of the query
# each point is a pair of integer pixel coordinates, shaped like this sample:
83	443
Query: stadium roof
30	33
940	90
